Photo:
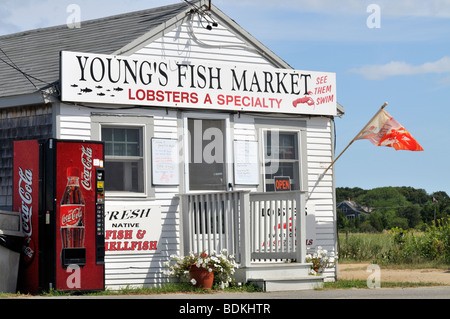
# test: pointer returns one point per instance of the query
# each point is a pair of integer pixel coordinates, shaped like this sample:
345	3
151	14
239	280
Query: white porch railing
250	226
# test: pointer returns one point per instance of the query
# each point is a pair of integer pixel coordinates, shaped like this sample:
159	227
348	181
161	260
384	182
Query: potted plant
320	260
203	270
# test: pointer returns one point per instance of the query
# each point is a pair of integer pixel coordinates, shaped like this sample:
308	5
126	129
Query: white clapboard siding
192	42
123	270
74	127
321	191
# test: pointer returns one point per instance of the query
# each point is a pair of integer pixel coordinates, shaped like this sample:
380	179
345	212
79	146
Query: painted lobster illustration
306	99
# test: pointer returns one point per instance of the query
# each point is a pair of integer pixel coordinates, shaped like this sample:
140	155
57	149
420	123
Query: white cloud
379	72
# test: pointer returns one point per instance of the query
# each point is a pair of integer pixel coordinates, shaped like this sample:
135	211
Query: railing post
244	235
185	232
300	224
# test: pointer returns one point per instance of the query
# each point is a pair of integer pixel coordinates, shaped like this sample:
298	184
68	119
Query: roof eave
20	100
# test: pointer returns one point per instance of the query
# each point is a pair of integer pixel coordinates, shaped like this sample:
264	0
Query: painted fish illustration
74	85
86	90
99	87
101	94
118	89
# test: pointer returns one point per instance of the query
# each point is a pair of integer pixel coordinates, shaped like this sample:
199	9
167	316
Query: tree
383	198
400	223
376	221
415	196
342	221
342	193
411	213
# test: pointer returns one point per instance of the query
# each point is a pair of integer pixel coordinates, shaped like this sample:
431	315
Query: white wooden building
150	187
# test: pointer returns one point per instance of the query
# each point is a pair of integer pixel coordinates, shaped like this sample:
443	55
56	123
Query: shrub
399	246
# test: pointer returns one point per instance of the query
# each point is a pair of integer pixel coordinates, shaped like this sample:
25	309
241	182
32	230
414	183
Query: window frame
297	150
289	126
146	124
138	159
227	146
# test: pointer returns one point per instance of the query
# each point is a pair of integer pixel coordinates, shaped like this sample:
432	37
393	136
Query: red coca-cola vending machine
59	191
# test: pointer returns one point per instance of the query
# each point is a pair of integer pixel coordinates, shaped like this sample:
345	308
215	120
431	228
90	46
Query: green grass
349	284
168	288
411	250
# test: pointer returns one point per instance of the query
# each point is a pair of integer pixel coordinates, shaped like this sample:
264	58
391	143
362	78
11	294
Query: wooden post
184	224
300	226
244	235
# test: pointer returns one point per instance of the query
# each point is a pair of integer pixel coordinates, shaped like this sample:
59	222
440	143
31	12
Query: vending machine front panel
77	265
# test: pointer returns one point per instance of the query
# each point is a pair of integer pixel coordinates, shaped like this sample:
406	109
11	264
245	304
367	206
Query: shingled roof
37	52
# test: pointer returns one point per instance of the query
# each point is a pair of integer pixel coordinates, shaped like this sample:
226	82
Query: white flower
312	272
193	281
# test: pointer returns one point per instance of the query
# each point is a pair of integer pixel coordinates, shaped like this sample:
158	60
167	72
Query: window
123	157
127	139
207	164
281	158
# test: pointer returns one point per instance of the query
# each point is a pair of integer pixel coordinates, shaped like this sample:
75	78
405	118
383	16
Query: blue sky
406	62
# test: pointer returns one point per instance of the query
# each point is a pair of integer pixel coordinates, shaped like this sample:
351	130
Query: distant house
352	210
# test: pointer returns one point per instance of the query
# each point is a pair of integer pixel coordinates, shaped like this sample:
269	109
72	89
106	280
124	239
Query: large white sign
132	229
148	81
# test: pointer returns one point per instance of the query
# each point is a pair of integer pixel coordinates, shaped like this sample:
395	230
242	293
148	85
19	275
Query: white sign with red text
149	81
132	229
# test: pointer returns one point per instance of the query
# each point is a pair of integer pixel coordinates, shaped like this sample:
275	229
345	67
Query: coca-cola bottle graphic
72	212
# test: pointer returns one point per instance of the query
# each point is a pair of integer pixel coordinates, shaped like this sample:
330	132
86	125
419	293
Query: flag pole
354	139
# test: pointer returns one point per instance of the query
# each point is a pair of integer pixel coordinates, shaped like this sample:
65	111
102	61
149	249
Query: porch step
279	276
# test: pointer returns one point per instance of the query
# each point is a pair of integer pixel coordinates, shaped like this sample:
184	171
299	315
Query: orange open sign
282	183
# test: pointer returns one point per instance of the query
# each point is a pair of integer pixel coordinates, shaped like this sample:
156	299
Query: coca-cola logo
72	216
86	160
28	251
25	193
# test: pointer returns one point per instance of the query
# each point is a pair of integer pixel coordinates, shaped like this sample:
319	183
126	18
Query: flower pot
203	278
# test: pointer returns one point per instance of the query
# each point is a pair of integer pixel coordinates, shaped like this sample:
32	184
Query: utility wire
13	65
17	68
